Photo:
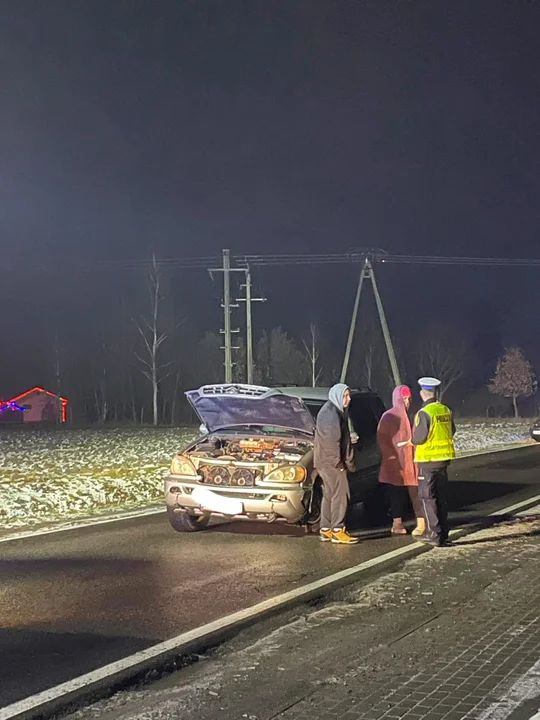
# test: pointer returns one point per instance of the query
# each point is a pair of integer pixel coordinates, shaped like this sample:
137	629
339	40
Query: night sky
132	126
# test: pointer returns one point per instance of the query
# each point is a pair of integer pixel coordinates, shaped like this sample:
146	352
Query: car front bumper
257	503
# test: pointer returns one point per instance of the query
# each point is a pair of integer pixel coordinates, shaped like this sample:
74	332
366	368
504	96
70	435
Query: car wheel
312	517
183	522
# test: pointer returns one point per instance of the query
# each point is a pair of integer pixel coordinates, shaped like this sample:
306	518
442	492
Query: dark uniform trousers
433	496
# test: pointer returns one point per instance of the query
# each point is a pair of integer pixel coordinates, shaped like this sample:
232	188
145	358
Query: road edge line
105	679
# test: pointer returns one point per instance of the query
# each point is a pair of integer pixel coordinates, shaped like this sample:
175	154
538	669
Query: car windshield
314	407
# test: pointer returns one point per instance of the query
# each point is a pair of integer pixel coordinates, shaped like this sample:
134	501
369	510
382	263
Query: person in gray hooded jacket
333	457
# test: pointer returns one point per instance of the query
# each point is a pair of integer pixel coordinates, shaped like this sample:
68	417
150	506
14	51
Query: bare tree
208	360
313	354
132	400
514	377
279	360
175	395
57	365
152	338
443	356
371	359
100	394
370	363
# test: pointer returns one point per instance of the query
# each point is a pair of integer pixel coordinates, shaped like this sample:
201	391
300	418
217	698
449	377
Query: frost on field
61	473
480	435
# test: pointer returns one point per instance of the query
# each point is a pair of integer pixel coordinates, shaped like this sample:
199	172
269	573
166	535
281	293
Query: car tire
184	522
312	518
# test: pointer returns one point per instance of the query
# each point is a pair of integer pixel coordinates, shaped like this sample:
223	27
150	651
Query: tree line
144	356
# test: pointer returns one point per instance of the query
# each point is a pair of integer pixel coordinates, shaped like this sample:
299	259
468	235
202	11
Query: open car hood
229	406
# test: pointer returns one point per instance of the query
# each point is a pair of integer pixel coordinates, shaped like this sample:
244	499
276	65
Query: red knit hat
405	392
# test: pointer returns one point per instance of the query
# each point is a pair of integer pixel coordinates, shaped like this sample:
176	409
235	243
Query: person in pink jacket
398	470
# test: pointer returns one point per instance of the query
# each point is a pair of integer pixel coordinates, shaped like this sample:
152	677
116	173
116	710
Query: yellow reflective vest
439	445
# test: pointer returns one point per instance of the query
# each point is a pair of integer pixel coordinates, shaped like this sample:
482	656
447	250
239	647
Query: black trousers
399	500
433	494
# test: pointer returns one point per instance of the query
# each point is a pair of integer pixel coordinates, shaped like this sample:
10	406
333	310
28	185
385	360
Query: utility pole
352	327
249	325
227	307
384	327
367	272
227	314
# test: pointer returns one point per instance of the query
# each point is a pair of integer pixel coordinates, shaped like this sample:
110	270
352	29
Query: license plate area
217	503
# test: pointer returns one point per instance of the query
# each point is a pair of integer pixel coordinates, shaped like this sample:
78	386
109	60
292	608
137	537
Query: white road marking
79	524
517	506
530	511
146	659
526	688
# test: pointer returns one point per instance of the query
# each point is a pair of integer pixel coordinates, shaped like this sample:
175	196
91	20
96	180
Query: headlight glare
287	474
181	465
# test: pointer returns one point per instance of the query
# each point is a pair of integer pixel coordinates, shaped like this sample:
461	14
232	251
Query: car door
365	411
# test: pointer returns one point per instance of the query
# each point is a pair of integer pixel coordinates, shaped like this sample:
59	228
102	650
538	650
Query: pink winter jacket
397	461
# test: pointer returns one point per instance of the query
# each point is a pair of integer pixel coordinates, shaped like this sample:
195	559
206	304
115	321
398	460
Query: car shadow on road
246	527
463	496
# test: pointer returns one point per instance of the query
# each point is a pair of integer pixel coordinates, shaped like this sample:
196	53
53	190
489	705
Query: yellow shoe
341	536
420	528
325	534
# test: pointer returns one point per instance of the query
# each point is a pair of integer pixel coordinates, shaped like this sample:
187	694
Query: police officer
433	438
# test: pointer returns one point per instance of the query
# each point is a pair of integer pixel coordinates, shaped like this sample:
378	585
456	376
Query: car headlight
287	474
181	465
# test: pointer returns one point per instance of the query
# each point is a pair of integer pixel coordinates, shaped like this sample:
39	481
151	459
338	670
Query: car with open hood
254	457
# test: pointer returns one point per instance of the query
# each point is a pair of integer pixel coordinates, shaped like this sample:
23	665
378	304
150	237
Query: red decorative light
38	389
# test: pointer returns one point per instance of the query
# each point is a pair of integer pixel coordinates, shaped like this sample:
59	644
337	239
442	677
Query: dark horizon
308	127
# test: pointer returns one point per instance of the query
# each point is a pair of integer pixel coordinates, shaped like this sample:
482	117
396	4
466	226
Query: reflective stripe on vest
439	445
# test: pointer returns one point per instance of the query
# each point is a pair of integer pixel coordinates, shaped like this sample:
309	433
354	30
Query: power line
259	261
381	257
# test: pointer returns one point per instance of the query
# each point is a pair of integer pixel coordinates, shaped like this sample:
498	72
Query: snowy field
57	475
476	435
48	475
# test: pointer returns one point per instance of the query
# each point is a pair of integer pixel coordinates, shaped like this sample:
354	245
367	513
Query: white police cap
429	383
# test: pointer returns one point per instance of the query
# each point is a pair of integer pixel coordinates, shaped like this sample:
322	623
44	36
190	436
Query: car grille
226	477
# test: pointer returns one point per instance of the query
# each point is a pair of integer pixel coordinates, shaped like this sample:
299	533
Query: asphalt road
73	601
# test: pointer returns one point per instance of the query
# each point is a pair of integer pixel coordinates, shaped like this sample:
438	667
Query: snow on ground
64	474
485	434
48	475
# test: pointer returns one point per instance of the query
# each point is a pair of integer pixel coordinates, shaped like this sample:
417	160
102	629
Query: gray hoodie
333	447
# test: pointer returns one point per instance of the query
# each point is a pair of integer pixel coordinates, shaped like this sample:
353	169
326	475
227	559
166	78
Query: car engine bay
258	450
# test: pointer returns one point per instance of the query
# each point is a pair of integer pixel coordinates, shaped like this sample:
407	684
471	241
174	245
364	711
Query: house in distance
36	405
